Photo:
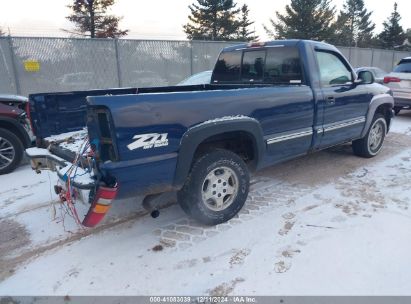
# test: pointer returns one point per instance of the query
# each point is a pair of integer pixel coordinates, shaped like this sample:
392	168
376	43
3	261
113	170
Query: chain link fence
66	64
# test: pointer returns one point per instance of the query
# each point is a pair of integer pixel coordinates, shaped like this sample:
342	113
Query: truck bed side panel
278	109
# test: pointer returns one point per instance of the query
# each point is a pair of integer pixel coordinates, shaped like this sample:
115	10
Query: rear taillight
100	207
389	79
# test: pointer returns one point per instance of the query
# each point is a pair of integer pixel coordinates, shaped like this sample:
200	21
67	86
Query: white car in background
399	81
77	81
199	78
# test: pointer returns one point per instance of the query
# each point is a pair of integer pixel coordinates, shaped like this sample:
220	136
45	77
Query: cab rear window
275	65
228	67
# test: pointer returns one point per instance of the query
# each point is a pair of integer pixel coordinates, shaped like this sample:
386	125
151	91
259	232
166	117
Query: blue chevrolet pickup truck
267	103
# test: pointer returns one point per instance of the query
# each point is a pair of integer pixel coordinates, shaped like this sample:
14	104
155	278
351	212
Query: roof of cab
289	43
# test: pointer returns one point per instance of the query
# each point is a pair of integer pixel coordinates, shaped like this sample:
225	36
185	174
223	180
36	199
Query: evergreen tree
354	26
244	34
212	20
91	19
304	19
393	34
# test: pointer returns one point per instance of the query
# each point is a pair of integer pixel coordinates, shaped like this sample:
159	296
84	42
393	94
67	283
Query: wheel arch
13	126
193	139
383	104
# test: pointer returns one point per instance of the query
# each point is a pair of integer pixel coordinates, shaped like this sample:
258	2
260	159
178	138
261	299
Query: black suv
15	131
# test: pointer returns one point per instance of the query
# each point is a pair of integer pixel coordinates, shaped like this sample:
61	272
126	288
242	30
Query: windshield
403	67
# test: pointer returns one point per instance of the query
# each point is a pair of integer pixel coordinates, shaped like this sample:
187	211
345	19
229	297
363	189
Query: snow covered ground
325	224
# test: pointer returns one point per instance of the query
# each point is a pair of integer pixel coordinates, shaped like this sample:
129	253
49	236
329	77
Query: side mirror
365	77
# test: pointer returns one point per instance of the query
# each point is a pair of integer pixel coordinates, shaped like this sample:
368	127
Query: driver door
344	104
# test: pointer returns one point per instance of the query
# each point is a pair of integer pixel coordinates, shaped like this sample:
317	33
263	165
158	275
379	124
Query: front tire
216	188
11	151
372	143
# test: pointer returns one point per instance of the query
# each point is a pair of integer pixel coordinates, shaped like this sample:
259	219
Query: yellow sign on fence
31	65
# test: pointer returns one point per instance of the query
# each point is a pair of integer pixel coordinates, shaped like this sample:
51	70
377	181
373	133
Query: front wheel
371	144
216	188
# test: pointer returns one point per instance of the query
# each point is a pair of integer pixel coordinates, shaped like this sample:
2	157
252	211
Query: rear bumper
402	102
402	98
84	188
42	159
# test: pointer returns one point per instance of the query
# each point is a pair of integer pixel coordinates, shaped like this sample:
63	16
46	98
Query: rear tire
11	151
216	188
372	143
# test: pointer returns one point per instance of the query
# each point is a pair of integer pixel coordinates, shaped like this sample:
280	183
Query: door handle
330	100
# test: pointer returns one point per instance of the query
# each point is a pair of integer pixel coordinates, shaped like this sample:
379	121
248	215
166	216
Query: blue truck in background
267	103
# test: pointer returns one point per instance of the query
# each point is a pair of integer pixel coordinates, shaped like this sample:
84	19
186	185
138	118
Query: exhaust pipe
155	214
152	203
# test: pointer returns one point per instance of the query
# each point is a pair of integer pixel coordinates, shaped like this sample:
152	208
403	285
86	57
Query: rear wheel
371	144
216	188
11	151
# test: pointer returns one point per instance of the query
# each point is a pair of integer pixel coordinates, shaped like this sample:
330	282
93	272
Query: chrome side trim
344	124
289	136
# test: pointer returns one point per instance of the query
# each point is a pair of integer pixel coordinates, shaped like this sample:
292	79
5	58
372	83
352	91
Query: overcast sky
157	19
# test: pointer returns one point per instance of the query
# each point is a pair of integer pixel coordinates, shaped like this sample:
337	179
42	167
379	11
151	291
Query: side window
332	70
283	66
227	68
252	69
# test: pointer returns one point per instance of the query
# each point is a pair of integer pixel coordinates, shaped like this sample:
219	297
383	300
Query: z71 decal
149	141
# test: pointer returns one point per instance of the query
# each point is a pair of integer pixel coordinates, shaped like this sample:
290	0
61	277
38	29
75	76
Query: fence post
191	58
372	57
14	66
120	83
393	60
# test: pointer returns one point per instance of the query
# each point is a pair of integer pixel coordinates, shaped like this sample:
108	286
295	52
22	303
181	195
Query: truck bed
66	112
